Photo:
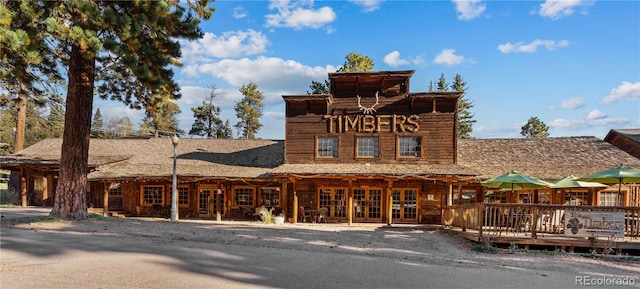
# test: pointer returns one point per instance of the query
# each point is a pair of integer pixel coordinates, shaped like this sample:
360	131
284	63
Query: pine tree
97	124
319	87
355	62
535	128
128	46
249	111
442	84
160	118
208	122
465	117
226	131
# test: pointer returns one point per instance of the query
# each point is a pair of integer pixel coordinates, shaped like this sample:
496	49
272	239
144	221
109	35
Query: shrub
9	197
266	215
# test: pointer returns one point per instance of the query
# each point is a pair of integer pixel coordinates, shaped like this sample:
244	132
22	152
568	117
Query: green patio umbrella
573	182
515	181
618	175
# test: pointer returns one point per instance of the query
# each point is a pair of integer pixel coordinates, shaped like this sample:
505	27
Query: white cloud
230	44
448	57
556	9
239	12
393	59
550	45
626	90
298	15
571	103
469	9
368	5
595	118
596	114
274	75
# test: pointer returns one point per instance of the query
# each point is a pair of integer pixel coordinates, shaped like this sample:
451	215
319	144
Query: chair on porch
302	215
322	215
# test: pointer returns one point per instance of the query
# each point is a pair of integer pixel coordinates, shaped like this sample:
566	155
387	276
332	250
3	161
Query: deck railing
533	219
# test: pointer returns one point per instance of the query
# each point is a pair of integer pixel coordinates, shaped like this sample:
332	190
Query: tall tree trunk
70	198
21	121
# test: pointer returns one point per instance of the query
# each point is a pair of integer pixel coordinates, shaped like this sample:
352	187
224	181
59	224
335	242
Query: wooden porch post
534	222
105	199
480	218
389	202
350	204
218	195
45	189
390	210
295	207
23	188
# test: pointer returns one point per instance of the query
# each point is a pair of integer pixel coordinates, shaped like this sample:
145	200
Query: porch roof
547	158
375	169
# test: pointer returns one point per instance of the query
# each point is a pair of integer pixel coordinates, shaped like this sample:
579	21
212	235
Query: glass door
207	201
334	199
367	205
405	203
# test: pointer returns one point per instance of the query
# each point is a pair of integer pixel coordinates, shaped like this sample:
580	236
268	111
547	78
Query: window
611	199
153	195
183	195
368	147
409	147
243	197
270	197
327	147
467	197
495	196
577	198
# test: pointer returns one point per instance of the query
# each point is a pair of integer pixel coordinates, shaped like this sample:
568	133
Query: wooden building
627	140
370	151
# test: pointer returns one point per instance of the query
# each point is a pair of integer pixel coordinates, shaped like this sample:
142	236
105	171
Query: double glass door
207	201
404	207
367	205
334	199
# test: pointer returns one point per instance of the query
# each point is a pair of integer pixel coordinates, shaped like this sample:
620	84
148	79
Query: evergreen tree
55	119
128	46
208	122
355	62
160	118
249	111
465	117
442	84
28	62
226	131
535	128
97	124
319	87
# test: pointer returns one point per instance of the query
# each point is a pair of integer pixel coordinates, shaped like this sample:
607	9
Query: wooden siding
429	116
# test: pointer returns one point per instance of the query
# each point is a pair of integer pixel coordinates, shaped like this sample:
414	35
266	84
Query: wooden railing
533	219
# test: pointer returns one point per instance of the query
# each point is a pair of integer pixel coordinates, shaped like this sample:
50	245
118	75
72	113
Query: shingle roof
543	158
546	158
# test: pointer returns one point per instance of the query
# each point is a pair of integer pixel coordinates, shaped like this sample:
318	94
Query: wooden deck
527	225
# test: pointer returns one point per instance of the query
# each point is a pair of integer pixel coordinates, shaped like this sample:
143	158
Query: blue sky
573	64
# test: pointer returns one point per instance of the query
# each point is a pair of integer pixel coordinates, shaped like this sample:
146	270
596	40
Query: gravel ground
412	243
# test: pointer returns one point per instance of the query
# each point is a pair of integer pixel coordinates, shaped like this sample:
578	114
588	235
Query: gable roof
544	158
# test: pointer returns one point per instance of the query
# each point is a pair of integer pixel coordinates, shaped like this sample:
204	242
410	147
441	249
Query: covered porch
537	224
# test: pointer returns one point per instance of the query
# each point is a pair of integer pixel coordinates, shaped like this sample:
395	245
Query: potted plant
279	219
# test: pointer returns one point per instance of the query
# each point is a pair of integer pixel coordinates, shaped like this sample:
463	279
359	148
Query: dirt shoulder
410	243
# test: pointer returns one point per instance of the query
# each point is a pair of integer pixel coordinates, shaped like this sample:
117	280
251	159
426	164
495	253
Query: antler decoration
368	110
